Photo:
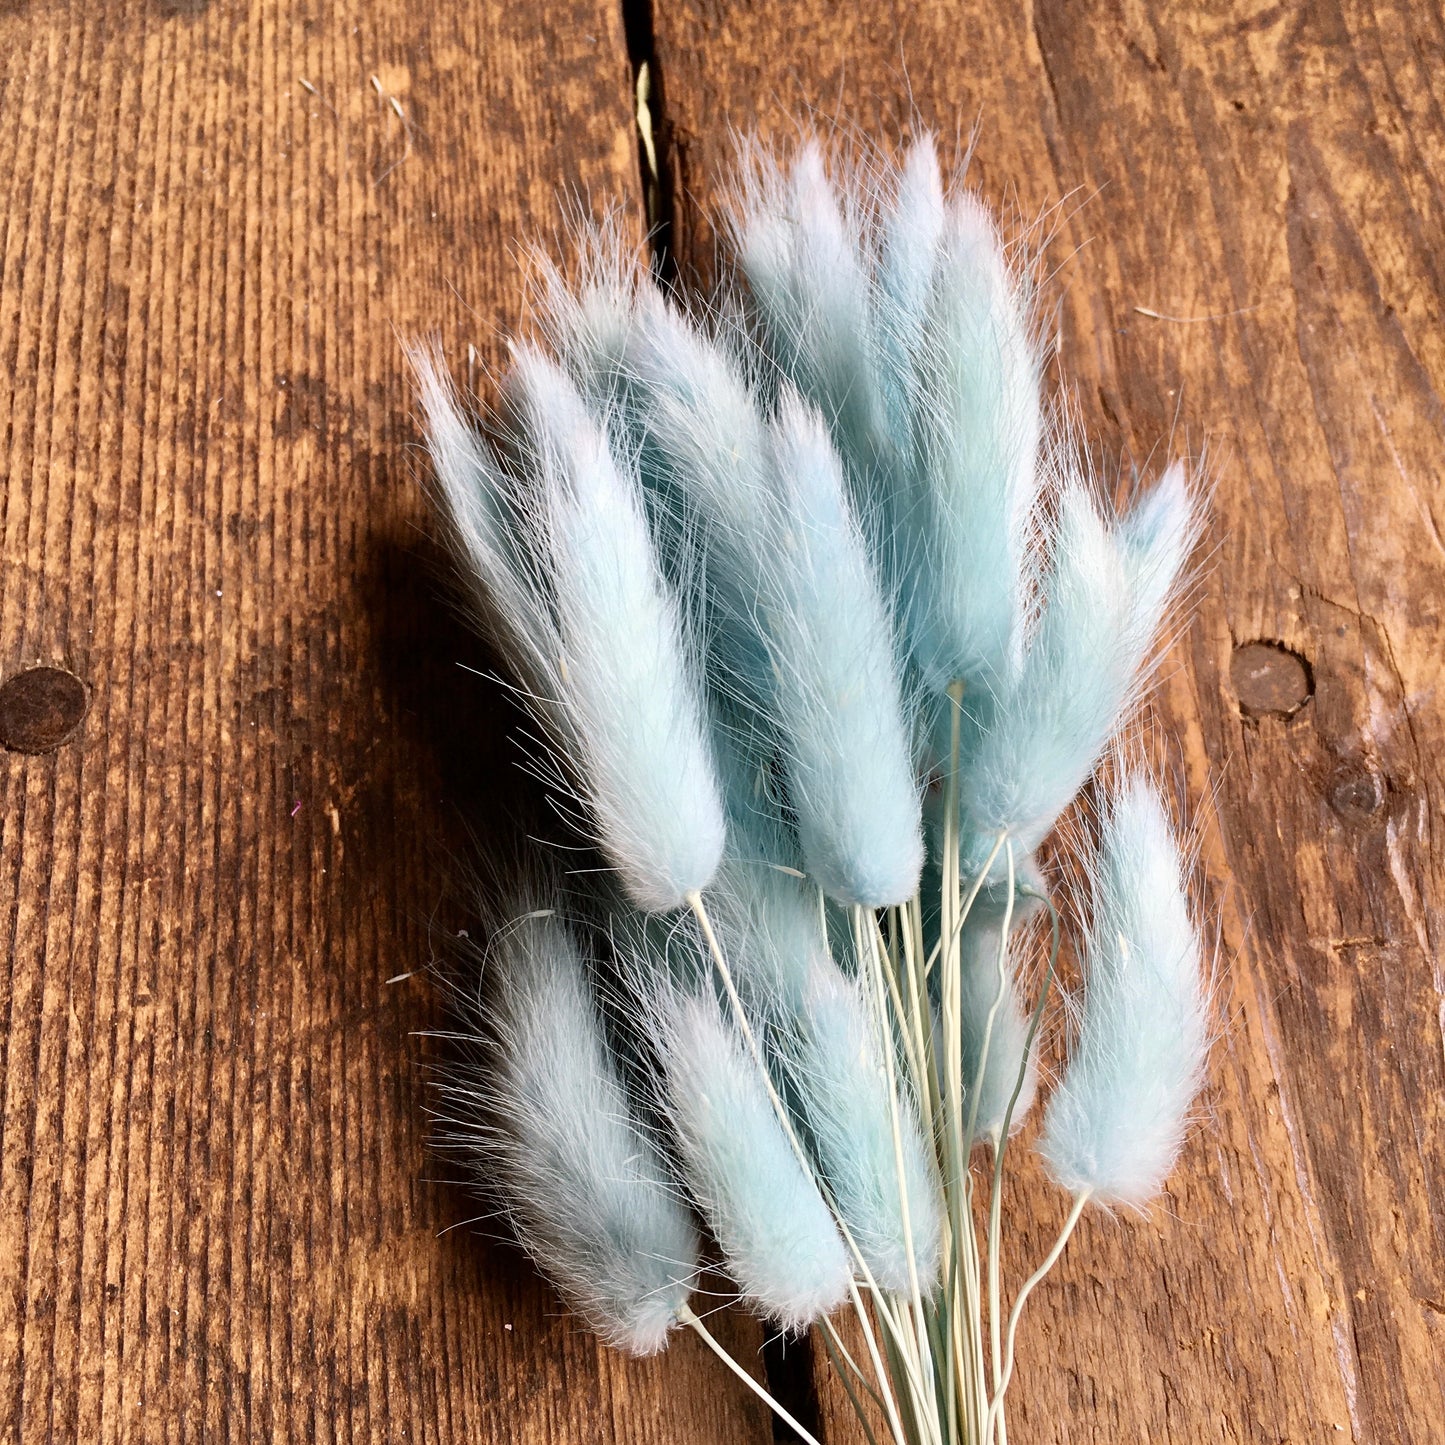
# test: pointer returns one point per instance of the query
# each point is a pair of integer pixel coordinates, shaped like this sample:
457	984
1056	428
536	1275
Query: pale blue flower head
1114	1124
978	429
628	679
800	632
1052	720
863	1129
540	1116
801	241
1106	589
893	306
778	1238
837	698
772	1224
824	1035
559	551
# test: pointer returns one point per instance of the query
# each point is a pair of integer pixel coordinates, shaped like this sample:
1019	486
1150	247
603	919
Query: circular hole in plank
41	708
1270	679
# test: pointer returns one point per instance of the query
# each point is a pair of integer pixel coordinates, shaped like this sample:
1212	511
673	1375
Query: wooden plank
1249	208
214	1214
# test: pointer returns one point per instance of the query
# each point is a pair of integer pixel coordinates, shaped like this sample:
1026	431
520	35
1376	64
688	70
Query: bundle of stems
824	625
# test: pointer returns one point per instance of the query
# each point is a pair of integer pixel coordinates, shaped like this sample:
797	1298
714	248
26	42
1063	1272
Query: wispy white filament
1115	1123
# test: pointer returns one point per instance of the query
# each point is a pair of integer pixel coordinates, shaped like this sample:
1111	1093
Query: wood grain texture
1249	221
214	1215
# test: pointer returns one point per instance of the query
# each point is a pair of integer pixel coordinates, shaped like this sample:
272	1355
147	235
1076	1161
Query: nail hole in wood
1270	679
41	708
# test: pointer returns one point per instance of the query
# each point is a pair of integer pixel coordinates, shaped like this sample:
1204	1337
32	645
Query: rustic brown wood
1248	199
214	1215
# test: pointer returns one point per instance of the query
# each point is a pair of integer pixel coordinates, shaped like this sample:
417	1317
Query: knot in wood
1356	792
41	708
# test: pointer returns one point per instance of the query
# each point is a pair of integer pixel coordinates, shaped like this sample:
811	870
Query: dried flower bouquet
823	624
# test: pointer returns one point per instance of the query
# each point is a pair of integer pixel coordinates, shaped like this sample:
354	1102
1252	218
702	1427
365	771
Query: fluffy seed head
979	424
832	1053
799	627
627	679
1104	595
539	1115
837	697
1116	1121
564	570
775	1231
801	244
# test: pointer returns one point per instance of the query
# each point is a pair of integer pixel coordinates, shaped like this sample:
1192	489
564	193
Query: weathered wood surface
213	1214
1249	241
214	1220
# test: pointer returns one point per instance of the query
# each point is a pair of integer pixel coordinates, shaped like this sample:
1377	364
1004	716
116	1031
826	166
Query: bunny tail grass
481	516
565	578
1115	1123
894	309
629	679
910	236
630	683
825	623
545	1123
864	1132
800	628
1047	730
837	699
808	264
775	1231
1103	598
1158	533
979	426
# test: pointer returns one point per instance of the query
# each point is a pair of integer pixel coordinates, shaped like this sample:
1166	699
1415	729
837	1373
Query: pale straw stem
1001	1148
1050	1260
890	1405
834	1345
687	1317
896	1123
966	1324
831	1331
993	1222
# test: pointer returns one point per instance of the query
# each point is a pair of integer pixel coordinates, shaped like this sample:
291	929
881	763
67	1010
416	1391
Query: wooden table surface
218	1218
